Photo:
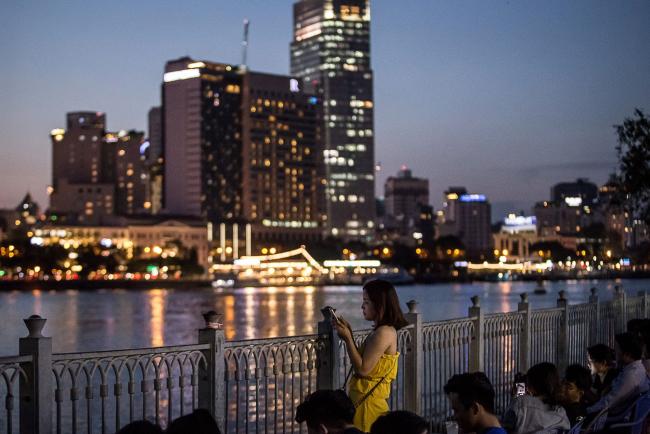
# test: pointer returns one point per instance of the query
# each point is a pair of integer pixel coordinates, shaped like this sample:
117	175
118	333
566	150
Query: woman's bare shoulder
385	332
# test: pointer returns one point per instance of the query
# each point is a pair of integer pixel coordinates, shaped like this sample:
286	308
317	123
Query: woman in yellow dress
374	363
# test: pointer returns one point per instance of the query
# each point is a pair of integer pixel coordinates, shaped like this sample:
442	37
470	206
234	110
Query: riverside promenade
254	386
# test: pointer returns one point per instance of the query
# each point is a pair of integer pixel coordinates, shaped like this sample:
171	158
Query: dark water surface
119	319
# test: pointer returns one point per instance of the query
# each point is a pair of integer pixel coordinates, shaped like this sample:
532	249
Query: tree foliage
633	177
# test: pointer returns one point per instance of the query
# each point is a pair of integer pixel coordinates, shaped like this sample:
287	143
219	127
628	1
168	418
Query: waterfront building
513	240
330	52
243	151
143	237
468	217
95	173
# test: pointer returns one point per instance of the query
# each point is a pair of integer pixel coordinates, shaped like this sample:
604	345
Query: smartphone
521	388
333	313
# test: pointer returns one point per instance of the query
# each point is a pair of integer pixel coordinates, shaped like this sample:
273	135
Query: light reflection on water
110	319
157	320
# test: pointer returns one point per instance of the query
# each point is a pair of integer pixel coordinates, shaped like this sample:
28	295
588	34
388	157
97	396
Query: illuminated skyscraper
242	148
95	173
330	51
468	216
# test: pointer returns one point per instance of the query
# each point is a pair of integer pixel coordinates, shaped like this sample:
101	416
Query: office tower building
405	196
242	148
330	51
468	217
95	174
155	160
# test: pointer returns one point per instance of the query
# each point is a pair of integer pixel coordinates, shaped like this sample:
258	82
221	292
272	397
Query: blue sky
503	97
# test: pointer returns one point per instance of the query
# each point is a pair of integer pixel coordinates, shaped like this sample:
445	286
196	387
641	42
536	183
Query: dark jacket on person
602	387
574	411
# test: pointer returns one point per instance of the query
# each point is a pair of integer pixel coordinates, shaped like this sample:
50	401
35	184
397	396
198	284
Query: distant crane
244	45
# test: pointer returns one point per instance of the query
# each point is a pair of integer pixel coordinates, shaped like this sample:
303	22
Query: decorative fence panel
266	380
102	391
608	320
446	350
582	319
545	327
255	386
635	307
502	334
11	373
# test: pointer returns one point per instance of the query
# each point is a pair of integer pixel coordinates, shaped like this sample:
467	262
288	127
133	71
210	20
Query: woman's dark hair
386	304
601	353
544	380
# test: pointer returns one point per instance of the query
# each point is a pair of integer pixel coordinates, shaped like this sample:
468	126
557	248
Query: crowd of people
543	400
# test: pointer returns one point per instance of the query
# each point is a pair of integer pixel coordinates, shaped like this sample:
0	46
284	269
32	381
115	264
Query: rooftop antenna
244	45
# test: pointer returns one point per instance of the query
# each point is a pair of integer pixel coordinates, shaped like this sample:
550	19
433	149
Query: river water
118	319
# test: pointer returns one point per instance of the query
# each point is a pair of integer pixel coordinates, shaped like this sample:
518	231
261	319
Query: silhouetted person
601	360
141	427
538	410
402	422
472	400
198	422
327	412
576	392
631	382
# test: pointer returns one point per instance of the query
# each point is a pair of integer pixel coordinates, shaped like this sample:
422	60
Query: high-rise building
404	197
468	216
242	147
572	207
155	160
96	174
330	51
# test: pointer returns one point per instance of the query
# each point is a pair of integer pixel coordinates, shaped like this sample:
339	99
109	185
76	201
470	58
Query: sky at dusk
504	97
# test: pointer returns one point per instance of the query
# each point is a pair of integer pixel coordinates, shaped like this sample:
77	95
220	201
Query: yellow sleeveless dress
376	404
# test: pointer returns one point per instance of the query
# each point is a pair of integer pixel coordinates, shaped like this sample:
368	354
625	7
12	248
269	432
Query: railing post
329	360
644	300
414	361
621	305
476	353
212	375
525	342
36	390
596	327
563	335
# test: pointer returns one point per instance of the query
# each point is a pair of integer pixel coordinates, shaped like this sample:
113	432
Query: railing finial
412	305
213	320
476	301
524	297
35	326
562	294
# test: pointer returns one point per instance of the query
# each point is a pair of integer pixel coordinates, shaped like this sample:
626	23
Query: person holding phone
374	363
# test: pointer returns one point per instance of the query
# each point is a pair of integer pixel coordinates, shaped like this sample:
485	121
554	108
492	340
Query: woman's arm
376	345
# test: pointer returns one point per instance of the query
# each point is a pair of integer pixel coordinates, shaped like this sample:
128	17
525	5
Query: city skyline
569	71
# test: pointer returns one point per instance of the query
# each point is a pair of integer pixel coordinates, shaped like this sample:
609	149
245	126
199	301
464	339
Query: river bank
82	284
